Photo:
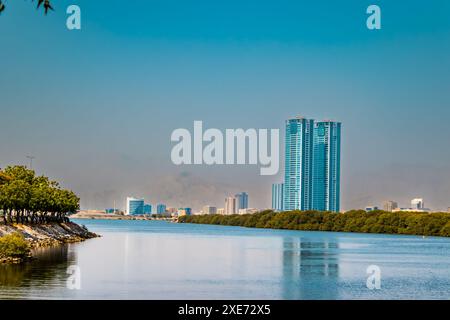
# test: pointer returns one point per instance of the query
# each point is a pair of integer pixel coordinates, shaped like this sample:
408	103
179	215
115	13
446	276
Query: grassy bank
433	224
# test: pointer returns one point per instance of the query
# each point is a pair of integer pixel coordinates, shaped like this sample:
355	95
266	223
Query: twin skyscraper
312	167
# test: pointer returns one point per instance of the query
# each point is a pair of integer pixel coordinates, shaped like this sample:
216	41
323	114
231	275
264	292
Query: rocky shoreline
46	235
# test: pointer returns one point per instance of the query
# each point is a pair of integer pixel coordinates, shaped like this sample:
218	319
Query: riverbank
408	223
45	235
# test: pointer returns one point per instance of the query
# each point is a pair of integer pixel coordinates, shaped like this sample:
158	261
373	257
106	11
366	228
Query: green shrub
14	246
434	224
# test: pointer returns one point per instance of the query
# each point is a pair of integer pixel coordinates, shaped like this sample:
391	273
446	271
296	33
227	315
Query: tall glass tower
298	164
277	196
241	201
327	164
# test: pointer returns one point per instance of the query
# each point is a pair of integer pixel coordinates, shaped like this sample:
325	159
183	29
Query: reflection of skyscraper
327	164
241	201
277	196
298	164
303	262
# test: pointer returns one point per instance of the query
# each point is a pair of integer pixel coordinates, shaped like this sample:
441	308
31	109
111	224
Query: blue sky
97	106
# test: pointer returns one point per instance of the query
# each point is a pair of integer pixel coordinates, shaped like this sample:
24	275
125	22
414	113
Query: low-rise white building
248	211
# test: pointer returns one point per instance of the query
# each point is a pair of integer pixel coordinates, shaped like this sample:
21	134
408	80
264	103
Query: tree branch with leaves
45	4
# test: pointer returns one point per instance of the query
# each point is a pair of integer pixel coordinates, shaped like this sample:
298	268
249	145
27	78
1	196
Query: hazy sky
97	106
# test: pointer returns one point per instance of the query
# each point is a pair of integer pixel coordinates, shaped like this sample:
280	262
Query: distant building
160	208
135	206
369	209
172	210
298	164
221	211
209	210
112	211
312	165
424	210
230	205
241	201
147	209
184	212
390	206
417	204
277	196
448	209
248	211
92	212
326	166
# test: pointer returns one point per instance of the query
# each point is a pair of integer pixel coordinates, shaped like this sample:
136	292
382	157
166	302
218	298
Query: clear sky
97	106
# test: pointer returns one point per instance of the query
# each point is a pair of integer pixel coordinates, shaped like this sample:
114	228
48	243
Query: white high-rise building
230	205
247	211
417	204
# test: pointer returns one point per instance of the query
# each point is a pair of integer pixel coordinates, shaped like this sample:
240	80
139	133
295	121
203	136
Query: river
163	260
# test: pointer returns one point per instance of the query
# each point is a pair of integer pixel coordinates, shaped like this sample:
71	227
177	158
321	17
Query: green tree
26	198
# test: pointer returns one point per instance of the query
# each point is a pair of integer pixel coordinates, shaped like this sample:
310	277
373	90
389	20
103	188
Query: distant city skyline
96	107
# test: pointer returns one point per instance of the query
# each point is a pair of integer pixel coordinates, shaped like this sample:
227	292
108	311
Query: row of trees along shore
412	223
27	198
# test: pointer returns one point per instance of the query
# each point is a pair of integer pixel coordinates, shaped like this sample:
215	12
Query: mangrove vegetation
27	198
411	223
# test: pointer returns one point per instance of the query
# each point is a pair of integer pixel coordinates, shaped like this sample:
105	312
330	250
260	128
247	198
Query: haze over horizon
96	107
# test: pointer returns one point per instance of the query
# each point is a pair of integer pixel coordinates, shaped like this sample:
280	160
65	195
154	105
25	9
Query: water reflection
305	261
157	260
46	271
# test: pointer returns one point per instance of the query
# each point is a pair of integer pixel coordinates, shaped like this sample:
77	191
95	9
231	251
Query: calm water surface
161	260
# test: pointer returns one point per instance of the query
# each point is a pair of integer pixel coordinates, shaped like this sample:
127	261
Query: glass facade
298	164
277	196
327	164
161	208
135	206
312	166
147	209
241	201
